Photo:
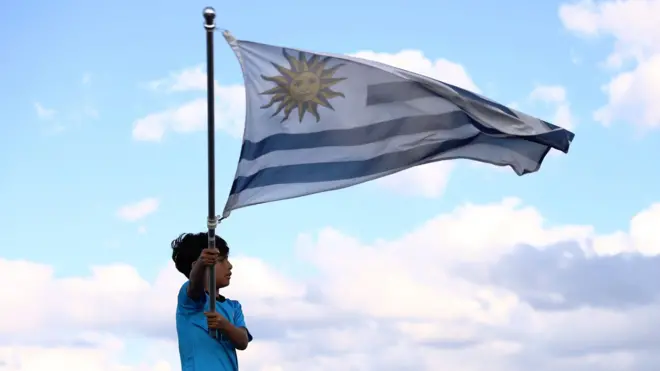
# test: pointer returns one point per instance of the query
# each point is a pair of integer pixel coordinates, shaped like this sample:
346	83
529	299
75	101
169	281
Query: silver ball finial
209	11
209	17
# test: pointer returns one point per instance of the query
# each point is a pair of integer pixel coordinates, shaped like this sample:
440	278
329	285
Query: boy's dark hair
188	246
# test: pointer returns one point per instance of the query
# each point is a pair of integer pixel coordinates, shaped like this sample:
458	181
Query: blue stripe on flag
330	171
559	139
402	91
355	136
475	97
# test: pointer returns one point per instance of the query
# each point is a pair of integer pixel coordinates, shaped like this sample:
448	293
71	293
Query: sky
449	266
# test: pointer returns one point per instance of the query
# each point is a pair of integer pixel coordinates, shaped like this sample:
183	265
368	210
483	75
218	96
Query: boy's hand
209	256
215	320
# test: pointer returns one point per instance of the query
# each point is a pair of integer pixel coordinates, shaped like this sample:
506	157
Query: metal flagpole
212	221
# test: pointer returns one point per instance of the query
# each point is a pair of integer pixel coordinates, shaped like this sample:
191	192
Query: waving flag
317	122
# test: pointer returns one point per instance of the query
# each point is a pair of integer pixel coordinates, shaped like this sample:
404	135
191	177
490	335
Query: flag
317	122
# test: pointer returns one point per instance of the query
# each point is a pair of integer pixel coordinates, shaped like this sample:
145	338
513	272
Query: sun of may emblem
304	86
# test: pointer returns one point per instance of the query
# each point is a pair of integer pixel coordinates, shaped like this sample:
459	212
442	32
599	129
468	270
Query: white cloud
455	291
428	180
644	232
142	229
100	357
642	237
43	112
189	79
549	93
416	61
633	26
139	210
631	22
633	96
555	96
191	116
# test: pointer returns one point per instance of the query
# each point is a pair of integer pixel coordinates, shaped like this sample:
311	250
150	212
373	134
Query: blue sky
76	76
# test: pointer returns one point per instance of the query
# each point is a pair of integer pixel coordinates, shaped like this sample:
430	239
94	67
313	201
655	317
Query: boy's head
187	248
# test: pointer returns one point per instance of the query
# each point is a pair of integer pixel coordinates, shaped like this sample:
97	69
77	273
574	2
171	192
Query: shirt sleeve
239	319
187	305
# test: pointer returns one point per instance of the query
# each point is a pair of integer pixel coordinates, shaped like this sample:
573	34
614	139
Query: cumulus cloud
633	95
483	286
555	96
189	79
138	210
96	356
415	61
632	24
191	116
557	280
429	180
549	93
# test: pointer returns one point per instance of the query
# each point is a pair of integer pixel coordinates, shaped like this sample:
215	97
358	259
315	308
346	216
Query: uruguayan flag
317	122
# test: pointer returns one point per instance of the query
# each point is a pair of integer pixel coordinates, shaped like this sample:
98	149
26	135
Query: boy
197	349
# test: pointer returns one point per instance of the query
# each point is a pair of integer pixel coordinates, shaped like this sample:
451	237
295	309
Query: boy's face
223	272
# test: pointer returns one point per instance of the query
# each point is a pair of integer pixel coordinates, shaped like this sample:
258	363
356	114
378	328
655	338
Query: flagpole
212	220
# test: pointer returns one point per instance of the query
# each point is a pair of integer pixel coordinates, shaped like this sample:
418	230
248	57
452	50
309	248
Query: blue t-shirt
197	349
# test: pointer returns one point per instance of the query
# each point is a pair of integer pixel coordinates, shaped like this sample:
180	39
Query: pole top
209	18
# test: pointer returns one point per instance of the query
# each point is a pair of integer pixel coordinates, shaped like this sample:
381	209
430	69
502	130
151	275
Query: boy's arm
238	336
237	333
207	258
195	289
239	321
187	305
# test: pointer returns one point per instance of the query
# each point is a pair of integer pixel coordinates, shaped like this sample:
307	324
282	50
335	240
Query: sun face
304	86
